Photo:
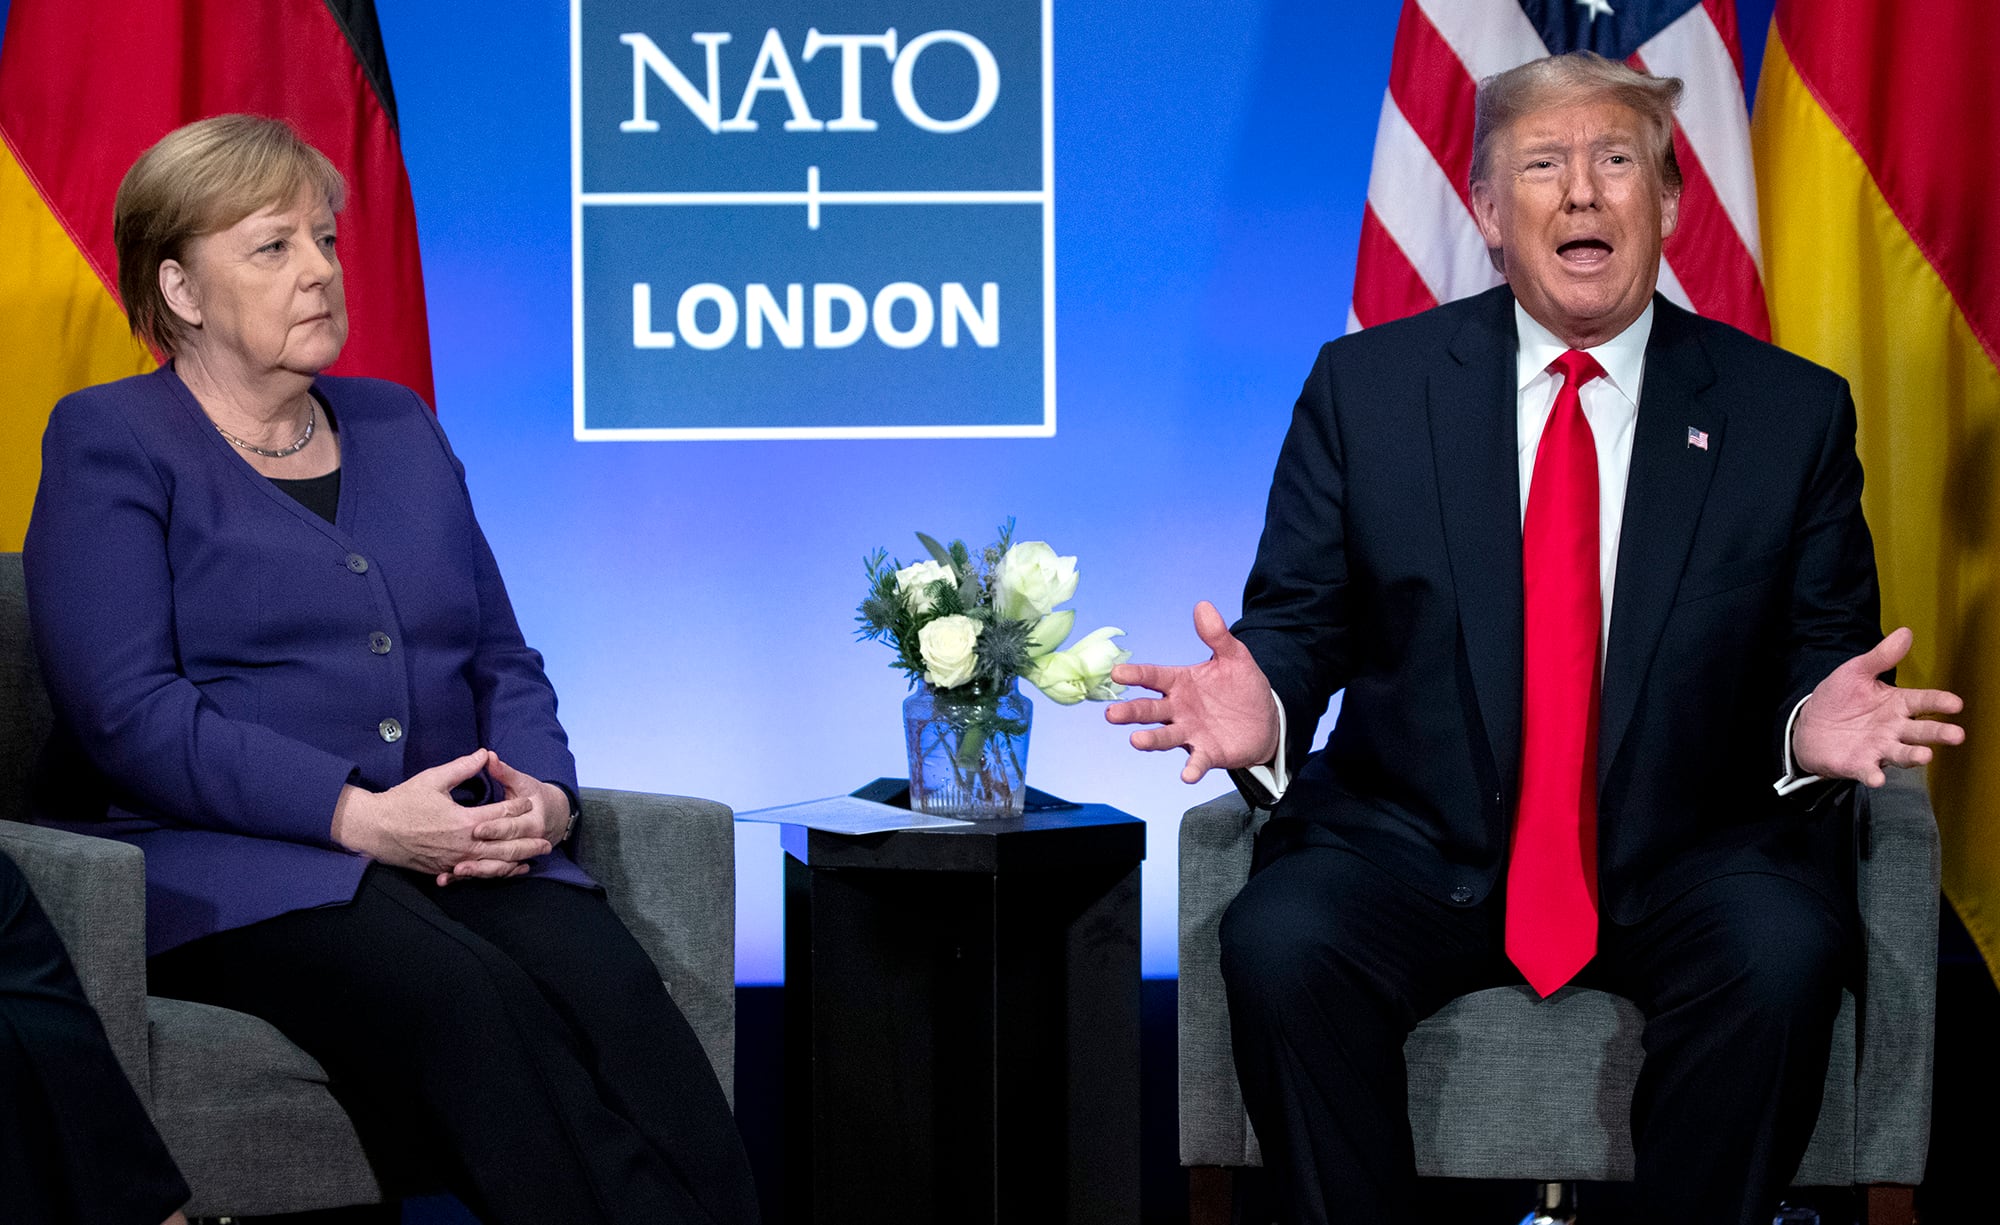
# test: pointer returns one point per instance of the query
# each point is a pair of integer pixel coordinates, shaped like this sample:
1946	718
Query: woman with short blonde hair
282	657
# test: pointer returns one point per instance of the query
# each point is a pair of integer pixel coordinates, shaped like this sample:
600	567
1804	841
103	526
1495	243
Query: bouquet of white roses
968	624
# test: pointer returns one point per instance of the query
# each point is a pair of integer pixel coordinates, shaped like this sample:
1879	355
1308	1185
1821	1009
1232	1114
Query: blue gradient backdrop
695	599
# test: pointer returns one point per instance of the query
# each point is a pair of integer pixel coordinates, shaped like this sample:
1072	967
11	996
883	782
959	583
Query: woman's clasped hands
416	824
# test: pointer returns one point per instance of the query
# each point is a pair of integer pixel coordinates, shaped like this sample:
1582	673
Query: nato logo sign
812	220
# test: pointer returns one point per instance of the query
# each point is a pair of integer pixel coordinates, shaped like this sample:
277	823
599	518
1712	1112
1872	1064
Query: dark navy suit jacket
214	650
1390	566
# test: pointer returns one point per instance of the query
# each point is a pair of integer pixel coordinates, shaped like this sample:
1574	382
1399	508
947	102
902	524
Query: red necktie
1552	868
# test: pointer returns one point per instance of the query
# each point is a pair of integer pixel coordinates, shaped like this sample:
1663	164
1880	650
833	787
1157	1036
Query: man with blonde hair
1593	574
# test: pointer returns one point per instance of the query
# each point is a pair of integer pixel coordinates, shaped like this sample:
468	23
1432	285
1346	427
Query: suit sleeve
1294	605
515	703
100	600
1835	606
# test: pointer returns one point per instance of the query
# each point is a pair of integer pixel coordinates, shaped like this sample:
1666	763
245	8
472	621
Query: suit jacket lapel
1663	499
221	452
1471	402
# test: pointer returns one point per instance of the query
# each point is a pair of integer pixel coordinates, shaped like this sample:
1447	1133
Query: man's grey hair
1564	80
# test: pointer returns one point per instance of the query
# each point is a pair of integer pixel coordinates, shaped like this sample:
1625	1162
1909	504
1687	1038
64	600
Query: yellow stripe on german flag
62	330
85	87
1874	124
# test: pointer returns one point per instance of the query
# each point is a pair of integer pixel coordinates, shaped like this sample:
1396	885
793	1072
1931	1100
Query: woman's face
266	292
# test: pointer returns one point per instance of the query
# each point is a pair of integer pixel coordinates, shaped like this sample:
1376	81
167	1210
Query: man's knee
1796	981
1780	954
1281	943
1252	932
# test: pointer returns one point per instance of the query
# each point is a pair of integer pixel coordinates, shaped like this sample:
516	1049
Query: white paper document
846	814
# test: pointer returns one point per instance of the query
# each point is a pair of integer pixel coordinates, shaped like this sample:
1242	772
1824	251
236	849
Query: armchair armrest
1897	887
1215	848
669	865
94	892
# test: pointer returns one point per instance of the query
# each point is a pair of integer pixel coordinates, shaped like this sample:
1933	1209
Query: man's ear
1486	215
178	290
1670	213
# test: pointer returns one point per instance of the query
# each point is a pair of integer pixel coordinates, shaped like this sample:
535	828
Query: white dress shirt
1611	406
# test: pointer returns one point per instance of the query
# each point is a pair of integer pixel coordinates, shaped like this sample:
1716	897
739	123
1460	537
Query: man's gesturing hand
1854	723
1221	711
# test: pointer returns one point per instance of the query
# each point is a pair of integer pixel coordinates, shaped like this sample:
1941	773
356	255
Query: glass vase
968	752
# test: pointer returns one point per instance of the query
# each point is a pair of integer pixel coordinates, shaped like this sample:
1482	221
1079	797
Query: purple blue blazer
222	661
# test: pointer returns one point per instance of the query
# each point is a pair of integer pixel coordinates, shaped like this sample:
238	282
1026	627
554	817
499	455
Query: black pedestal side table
962	1021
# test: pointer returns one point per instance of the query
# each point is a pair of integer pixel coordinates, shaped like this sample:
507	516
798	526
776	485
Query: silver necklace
312	415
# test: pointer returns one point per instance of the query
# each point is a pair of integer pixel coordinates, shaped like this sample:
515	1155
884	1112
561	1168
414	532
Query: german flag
1876	126
88	85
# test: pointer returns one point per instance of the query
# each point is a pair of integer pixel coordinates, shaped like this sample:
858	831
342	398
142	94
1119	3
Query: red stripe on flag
1435	93
84	89
1912	85
1709	256
1386	284
1707	253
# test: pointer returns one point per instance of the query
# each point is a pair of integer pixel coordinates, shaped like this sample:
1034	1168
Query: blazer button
391	730
357	563
1462	896
379	643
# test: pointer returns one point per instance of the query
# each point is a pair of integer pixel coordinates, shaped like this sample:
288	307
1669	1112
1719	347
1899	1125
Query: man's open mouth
1584	251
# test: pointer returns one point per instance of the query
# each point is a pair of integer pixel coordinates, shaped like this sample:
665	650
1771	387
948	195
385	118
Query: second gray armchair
1504	1087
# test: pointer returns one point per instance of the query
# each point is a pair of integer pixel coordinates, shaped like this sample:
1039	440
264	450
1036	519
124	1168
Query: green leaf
937	551
971	743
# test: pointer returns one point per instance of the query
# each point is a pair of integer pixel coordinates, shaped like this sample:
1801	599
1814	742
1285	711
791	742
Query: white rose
1050	632
913	584
1031	580
1083	671
947	647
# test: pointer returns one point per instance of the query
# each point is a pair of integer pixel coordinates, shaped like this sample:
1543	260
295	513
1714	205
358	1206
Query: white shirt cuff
1793	780
1273	776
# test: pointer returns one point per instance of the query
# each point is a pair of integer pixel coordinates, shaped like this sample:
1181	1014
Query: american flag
1419	246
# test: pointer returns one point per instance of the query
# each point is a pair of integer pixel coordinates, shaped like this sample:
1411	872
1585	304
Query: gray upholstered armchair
246	1114
1504	1088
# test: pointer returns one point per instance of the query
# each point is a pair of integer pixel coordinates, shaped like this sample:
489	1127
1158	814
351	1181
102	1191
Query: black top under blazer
1390	566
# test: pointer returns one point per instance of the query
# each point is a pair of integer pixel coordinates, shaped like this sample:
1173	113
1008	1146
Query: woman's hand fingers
442	778
423	828
548	798
501	829
513	808
513	850
507	776
482	869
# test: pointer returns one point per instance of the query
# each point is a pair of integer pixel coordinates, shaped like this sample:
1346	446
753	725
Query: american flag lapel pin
1698	438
